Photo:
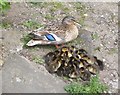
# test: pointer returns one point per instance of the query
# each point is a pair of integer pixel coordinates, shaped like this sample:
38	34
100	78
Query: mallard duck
65	32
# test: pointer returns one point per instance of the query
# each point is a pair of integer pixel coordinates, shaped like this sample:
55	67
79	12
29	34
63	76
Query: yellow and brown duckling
73	63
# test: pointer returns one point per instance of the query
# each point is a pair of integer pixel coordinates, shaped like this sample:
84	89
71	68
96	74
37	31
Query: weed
4	5
49	16
65	9
39	4
38	60
94	86
32	24
112	50
78	40
57	5
79	6
5	24
25	40
97	49
94	36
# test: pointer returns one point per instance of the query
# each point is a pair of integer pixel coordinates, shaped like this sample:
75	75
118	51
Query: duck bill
78	24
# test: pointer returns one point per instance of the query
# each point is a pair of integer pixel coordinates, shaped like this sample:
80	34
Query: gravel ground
99	19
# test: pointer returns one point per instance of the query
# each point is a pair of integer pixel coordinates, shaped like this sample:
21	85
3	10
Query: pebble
101	45
18	79
85	15
104	60
102	15
1	62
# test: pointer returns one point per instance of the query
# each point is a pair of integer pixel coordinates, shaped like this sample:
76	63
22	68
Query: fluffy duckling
73	63
49	57
73	72
92	69
84	74
54	65
99	63
66	32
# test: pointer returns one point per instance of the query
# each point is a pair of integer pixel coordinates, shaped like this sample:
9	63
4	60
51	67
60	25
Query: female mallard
65	32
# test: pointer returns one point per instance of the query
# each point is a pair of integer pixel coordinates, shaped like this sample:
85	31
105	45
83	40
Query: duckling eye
82	68
63	61
77	56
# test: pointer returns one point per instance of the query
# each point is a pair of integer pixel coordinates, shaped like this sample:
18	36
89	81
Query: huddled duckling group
73	63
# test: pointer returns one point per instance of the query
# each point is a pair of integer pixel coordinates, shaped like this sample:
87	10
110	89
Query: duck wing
45	38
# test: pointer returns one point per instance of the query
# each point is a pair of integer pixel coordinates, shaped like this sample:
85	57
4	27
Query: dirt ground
100	20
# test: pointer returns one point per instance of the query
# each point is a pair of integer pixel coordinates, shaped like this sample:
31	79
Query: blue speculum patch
50	37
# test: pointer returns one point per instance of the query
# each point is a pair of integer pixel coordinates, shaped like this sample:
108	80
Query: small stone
112	75
85	15
1	62
101	45
18	79
102	15
104	60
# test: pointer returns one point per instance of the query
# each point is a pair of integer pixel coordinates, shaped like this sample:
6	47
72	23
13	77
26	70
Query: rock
21	76
1	62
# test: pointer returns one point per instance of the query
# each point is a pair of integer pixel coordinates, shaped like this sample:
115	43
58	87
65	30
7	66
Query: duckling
84	74
78	54
73	72
81	64
99	63
63	70
89	59
92	69
54	65
66	32
49	57
72	49
73	63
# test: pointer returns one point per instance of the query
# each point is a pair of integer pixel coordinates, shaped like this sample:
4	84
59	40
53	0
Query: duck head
69	20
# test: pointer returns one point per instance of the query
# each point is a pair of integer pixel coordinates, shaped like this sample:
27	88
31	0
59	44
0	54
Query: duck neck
71	33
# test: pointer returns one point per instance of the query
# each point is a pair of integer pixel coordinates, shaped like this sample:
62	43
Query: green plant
38	60
5	24
25	39
4	5
94	36
94	86
32	24
49	16
112	50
